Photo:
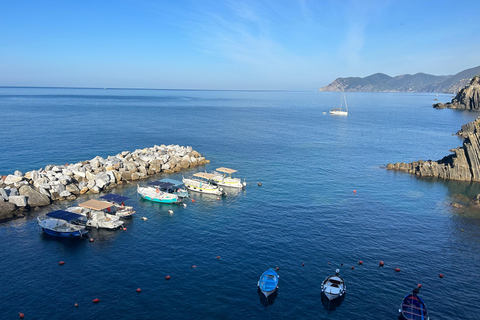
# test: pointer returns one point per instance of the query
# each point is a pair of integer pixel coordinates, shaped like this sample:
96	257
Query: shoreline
21	193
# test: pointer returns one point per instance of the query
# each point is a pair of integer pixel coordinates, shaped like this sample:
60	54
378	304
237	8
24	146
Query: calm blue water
305	212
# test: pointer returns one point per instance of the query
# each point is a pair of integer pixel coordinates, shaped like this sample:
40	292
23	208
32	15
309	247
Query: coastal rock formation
467	98
463	164
60	182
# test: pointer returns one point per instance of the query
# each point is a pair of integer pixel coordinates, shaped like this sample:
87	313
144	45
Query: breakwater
21	192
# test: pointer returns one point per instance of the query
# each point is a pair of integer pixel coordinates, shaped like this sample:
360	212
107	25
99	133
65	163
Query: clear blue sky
258	44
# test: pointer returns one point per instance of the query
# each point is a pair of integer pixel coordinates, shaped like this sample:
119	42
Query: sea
326	202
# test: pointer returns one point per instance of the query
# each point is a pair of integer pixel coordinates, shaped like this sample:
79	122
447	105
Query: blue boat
58	224
268	282
413	307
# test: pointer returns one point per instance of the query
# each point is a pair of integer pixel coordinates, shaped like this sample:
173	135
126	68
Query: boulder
18	173
4	194
11	179
19	201
7	210
84	190
72	188
34	198
65	194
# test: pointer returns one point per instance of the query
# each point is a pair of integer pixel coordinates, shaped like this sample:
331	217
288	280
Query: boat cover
95	205
226	170
114	197
64	215
176	183
204	175
160	184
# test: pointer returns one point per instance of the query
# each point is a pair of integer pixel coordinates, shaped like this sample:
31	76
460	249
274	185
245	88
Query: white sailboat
339	111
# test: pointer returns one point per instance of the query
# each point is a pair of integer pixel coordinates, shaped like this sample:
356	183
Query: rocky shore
20	192
464	163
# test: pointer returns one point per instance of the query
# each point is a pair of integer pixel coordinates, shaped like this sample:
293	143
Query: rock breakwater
21	192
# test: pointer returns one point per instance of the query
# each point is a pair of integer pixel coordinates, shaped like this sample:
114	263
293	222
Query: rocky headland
464	163
19	193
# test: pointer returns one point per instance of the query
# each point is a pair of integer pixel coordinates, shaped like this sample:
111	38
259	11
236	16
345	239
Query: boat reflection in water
267	301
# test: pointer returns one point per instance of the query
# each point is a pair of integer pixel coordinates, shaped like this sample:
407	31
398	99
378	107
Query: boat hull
74	234
412	308
339	113
268	282
155	195
159	200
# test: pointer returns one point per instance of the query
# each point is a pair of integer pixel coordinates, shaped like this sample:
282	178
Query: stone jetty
21	192
464	163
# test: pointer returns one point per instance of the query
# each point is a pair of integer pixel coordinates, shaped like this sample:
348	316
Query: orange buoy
440	275
353	267
139	290
91	239
360	262
21	315
381	263
124	229
61	263
218	257
168	278
193	200
354	191
194	266
419	285
96	300
397	269
76	304
278	268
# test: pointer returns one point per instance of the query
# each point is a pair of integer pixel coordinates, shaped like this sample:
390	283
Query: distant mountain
419	82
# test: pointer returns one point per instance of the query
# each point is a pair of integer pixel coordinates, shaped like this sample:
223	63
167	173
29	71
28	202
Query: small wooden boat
413	307
334	286
268	282
59	224
119	208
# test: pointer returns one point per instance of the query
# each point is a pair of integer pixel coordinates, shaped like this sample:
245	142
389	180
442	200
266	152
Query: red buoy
218	257
193	200
419	285
397	269
354	191
91	239
139	290
168	278
360	262
96	300
303	264
381	263
440	275
61	263
194	266
353	267
76	304
21	315
124	229
278	268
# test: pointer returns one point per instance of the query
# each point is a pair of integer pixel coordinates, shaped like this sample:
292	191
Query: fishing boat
223	177
156	195
172	186
202	183
339	111
96	213
119	208
268	282
334	286
58	224
413	307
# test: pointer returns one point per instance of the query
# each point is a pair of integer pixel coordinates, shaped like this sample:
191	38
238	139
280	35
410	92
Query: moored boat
58	224
172	186
202	183
334	286
268	282
223	177
156	195
339	111
413	307
96	213
119	208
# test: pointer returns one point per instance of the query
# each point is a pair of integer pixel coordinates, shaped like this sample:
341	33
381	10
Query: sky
231	45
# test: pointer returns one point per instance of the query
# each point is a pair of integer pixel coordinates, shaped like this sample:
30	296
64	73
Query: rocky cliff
467	98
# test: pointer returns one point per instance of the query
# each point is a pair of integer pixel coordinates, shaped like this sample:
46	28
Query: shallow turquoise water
305	212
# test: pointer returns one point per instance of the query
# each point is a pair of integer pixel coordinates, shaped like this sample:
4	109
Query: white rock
4	194
91	184
11	179
65	194
18	173
20	201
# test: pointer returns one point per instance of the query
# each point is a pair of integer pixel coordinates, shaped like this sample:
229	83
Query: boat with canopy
59	224
202	183
172	186
223	177
96	213
119	208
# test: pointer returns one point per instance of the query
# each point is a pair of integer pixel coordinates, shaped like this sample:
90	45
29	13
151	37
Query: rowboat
202	183
334	286
268	282
223	177
119	208
58	224
156	195
413	307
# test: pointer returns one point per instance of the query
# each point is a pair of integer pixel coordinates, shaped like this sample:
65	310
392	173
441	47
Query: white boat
156	195
95	211
334	286
201	183
119	208
339	111
223	177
